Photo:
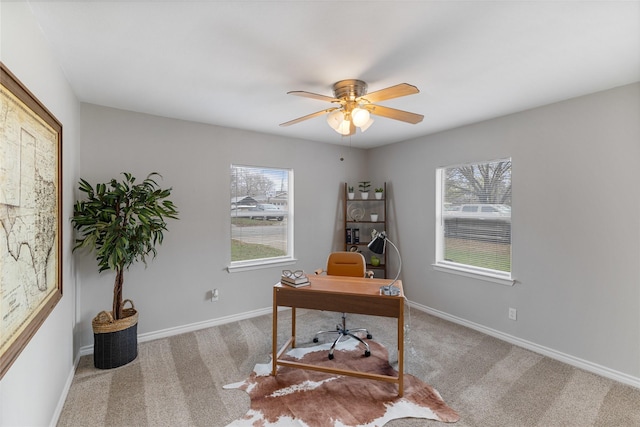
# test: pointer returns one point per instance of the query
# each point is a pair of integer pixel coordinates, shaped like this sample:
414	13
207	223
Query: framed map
30	216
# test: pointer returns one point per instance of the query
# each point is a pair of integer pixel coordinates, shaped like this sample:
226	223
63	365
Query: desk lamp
378	245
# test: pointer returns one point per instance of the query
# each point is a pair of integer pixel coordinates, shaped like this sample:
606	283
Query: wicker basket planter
115	342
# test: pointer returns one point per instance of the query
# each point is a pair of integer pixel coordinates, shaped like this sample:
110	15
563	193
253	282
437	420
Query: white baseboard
546	351
63	396
164	333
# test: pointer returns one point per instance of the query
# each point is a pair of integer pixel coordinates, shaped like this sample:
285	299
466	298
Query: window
261	216
473	226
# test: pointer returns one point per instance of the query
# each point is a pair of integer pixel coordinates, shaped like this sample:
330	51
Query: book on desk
296	282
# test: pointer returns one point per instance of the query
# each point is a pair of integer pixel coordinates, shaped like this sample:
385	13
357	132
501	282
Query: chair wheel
315	340
330	356
367	353
369	336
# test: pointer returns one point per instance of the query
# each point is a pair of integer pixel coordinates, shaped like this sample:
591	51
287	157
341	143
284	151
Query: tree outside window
474	217
261	215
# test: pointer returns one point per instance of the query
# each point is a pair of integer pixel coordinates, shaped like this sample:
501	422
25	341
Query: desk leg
274	333
401	349
293	327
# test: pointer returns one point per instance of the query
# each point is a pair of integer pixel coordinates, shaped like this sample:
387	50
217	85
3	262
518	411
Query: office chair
346	264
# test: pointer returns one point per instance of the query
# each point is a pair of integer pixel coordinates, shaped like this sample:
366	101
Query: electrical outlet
513	314
215	295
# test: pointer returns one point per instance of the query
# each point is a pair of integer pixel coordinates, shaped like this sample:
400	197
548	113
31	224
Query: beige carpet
178	381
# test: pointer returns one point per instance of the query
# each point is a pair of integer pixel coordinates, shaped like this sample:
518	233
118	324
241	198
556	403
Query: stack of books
296	282
353	235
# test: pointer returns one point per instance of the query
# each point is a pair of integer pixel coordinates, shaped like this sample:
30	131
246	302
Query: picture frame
30	216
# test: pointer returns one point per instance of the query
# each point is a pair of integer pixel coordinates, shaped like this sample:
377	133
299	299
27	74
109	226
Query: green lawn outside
495	256
241	251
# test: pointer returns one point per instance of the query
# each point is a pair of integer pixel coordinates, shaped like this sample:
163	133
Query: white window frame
288	259
440	264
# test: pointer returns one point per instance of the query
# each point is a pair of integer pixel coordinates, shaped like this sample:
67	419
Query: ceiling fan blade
392	113
308	116
403	89
312	95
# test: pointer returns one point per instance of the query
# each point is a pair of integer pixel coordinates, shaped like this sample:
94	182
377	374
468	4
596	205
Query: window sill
259	264
487	276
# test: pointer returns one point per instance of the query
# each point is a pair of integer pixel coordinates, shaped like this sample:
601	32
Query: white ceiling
231	63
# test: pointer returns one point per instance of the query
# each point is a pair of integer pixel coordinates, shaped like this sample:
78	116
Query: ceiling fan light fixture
366	125
360	116
344	128
335	118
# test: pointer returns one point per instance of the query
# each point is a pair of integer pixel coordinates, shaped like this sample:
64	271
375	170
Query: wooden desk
341	294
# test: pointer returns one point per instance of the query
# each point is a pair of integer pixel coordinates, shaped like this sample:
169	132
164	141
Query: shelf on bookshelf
365	222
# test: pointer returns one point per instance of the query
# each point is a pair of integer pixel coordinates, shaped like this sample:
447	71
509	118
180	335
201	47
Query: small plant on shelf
364	189
379	192
350	193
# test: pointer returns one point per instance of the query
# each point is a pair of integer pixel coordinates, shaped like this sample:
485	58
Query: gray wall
195	160
32	390
576	227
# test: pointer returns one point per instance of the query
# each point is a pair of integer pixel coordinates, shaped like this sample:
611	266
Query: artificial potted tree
122	221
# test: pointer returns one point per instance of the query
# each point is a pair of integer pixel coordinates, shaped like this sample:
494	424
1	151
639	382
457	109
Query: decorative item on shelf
122	222
374	217
364	189
351	194
375	261
378	245
379	192
356	212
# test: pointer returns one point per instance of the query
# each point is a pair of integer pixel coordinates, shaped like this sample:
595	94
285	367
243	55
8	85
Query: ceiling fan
356	106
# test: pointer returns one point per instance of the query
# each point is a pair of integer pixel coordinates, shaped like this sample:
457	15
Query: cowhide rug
297	397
